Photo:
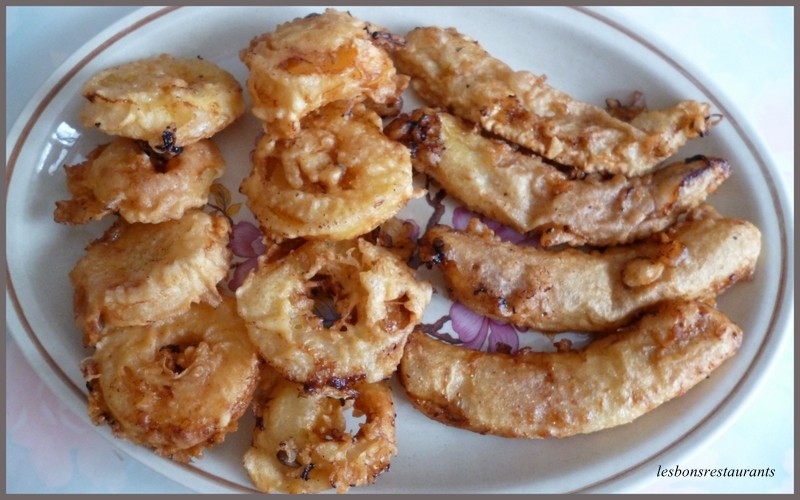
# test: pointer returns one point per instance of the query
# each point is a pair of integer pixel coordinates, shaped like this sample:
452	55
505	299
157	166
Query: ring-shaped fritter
339	178
301	443
123	177
333	313
312	61
137	274
178	386
167	101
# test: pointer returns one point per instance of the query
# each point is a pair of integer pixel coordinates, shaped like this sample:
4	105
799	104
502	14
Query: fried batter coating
84	206
123	177
495	179
611	382
333	313
312	61
452	71
398	236
570	289
301	443
166	101
178	386
137	274
339	178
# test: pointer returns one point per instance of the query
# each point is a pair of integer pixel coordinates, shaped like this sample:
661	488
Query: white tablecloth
746	52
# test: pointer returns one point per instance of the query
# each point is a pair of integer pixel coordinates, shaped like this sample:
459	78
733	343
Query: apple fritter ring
339	178
178	386
315	60
333	313
166	101
136	274
123	177
612	381
301	443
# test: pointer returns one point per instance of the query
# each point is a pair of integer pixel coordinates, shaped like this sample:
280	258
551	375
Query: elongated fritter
613	381
452	71
495	179
571	289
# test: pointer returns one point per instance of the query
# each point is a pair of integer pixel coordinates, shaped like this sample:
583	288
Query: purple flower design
247	242
473	330
414	234
462	216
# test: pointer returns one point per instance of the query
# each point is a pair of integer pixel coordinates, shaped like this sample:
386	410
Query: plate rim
776	331
723	414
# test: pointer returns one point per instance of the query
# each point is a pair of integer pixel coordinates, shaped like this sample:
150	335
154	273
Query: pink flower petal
531	240
461	217
258	246
471	327
507	234
502	333
493	225
415	229
240	273
477	342
246	240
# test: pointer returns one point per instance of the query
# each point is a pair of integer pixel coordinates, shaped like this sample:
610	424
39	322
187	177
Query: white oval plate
584	54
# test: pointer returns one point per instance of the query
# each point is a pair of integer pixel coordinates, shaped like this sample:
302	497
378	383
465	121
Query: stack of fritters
626	249
333	316
651	256
173	368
